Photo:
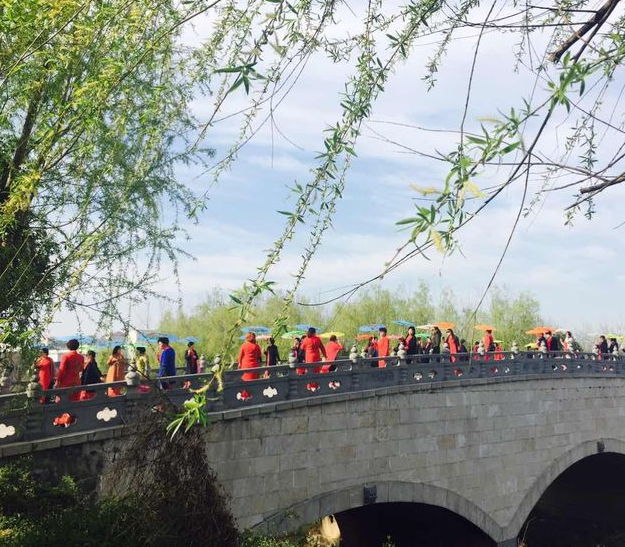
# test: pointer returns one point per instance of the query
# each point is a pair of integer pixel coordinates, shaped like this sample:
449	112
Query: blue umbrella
153	336
188	339
257	329
372	328
306	327
82	338
403	323
109	343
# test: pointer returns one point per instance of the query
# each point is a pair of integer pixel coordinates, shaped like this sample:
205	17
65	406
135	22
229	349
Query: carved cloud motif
106	414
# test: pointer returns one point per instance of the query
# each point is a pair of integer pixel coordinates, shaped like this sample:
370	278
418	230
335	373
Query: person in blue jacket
167	361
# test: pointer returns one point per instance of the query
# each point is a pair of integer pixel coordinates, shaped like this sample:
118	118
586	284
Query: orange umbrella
484	327
539	330
444	325
364	336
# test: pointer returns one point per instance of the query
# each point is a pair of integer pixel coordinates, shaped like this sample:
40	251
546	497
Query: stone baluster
353	355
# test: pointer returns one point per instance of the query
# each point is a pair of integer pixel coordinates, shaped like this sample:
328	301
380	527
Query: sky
575	272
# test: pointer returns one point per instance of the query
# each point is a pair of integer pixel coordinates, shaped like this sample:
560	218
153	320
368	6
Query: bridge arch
553	471
352	497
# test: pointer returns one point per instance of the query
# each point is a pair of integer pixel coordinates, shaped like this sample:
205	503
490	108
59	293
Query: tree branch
597	20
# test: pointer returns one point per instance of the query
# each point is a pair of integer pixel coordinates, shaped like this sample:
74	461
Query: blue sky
576	273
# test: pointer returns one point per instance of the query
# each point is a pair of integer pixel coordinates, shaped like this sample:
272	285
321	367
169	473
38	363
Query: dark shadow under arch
406	525
555	470
330	503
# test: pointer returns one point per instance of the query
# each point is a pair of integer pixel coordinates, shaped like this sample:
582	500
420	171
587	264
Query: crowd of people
76	369
418	348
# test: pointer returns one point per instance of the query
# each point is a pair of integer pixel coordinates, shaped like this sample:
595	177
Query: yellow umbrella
484	327
540	330
533	345
329	334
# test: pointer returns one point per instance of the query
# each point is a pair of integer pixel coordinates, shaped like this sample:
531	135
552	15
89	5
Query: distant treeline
512	314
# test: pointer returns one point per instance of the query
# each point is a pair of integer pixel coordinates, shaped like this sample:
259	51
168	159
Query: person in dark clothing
462	349
613	346
191	358
297	350
271	354
91	374
602	346
435	339
552	342
541	340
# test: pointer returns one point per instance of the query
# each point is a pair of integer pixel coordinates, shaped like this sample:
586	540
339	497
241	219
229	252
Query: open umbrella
539	330
444	325
293	334
372	328
617	336
425	327
533	345
395	336
363	336
103	344
152	336
263	337
423	335
484	327
82	338
403	323
257	329
329	334
305	327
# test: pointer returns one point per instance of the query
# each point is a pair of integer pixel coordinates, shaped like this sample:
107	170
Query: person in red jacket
313	350
383	347
46	372
489	343
70	368
333	348
452	343
250	356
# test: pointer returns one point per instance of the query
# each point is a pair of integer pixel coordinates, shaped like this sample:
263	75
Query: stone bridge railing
62	412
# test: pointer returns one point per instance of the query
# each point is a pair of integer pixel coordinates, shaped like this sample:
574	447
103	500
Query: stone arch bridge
482	438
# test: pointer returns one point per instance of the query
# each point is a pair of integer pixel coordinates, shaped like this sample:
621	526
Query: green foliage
268	541
193	413
168	497
511	314
94	120
38	510
22	495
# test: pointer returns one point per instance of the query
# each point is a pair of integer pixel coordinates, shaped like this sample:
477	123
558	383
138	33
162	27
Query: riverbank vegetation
513	314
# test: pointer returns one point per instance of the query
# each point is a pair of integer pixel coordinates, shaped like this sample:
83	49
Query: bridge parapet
81	409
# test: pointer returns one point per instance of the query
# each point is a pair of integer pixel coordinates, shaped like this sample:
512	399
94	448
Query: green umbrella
293	334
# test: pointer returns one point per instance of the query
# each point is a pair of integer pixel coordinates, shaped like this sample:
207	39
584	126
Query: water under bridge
483	438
